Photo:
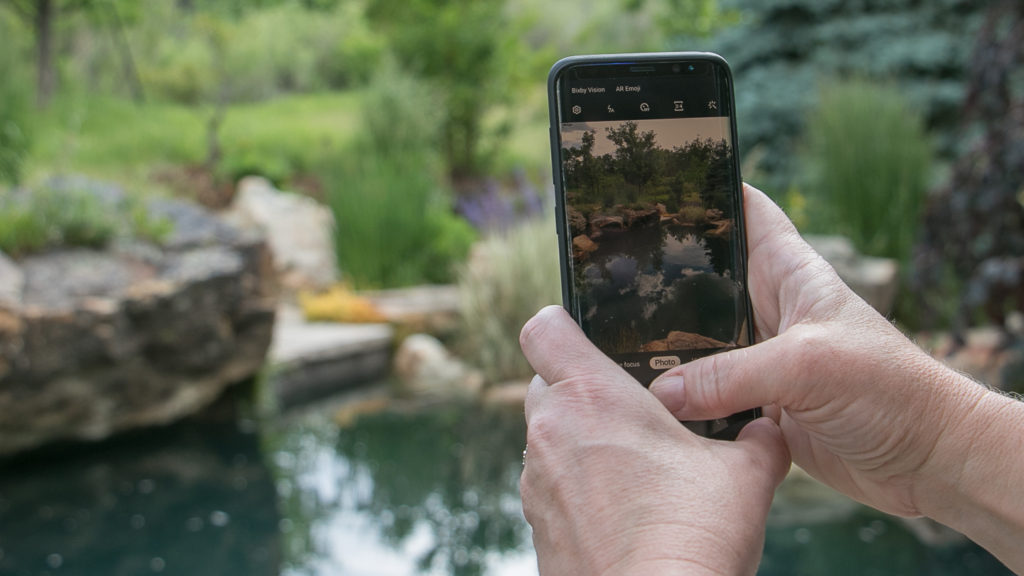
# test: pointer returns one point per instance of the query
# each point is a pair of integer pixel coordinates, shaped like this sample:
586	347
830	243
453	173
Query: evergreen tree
783	51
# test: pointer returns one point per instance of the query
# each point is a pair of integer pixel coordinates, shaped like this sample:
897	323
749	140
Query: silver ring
525	448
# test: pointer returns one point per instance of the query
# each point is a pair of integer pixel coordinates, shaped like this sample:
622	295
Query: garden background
421	126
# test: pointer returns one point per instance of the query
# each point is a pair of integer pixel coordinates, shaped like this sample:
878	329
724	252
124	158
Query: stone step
310	360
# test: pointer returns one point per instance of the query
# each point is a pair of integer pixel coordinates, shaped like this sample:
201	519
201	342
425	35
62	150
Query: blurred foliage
278	49
468	50
31	221
870	162
974	229
685	18
782	51
509	277
15	112
394	221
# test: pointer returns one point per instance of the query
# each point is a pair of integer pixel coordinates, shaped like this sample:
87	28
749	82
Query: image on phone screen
654	249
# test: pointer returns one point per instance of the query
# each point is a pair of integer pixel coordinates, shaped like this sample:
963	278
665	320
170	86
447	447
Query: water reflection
189	499
683	280
426	491
865	542
431	492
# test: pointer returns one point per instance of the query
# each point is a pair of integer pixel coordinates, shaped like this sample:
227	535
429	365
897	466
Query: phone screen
653	239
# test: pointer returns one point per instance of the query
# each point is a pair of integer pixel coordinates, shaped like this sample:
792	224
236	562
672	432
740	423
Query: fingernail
669	389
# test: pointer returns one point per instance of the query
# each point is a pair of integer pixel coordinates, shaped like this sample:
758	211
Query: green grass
116	139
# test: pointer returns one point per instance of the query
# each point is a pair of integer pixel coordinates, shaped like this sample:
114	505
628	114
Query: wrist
689	550
972	483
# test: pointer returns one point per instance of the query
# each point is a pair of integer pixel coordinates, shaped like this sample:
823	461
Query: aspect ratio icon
678	105
645	107
577	109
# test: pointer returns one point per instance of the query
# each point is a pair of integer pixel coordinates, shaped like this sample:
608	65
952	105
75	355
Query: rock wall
93	342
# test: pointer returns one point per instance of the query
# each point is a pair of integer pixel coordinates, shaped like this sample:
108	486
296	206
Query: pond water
675	278
399	493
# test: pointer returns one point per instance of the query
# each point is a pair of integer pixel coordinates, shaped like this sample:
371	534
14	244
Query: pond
407	491
676	279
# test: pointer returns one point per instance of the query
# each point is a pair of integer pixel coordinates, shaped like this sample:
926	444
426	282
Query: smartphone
649	209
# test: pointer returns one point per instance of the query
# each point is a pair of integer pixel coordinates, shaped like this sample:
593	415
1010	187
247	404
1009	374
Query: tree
974	226
467	49
782	52
583	169
634	155
42	16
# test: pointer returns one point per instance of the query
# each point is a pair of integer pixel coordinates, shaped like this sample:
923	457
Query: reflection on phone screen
651	213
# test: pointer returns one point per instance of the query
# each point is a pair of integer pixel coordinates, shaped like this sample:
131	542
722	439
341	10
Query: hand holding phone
650	211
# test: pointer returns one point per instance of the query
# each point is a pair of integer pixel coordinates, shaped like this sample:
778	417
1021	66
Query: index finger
557	348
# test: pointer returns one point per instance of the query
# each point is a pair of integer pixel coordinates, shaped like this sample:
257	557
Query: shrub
869	163
509	278
34	221
395	224
692	215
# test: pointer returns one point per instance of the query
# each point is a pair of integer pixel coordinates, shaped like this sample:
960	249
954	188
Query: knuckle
712	374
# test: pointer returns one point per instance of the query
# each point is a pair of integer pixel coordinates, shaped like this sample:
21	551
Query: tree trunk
46	77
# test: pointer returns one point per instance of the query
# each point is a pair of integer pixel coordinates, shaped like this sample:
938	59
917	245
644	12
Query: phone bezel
651	64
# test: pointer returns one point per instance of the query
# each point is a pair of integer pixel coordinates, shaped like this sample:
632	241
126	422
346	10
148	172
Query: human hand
614	485
862	408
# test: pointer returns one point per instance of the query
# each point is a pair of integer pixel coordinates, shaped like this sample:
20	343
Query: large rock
582	245
94	342
577	221
873	279
678	340
425	368
298	229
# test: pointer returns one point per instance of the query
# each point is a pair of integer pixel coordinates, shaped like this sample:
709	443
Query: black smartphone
650	210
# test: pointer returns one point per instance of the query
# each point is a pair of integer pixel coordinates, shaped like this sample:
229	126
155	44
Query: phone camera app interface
651	199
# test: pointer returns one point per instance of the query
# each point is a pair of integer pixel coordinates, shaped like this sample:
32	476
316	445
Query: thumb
771	372
763	441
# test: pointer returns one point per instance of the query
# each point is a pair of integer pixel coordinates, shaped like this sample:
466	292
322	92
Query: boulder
577	221
101	341
582	245
678	340
720	229
873	279
604	222
644	217
298	229
12	284
425	368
